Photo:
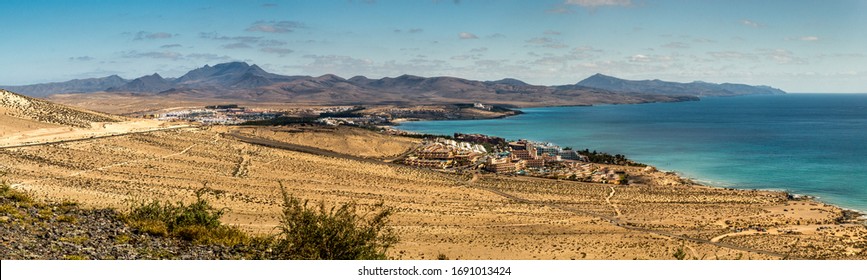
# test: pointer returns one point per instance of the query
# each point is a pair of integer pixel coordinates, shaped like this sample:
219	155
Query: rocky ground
35	230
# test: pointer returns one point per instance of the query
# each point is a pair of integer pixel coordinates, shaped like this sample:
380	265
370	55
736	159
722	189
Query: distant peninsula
696	88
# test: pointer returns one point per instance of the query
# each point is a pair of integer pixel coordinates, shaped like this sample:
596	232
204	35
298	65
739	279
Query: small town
522	157
232	114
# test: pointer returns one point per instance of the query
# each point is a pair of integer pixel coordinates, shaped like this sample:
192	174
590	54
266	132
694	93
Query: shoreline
862	214
797	196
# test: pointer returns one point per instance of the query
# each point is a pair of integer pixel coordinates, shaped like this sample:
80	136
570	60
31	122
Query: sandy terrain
467	216
341	139
47	133
10	126
29	121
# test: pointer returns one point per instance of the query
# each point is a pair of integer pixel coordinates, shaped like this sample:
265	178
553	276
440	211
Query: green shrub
198	222
679	254
15	196
338	233
67	219
152	227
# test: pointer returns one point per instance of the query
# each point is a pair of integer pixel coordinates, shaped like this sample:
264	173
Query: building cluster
479	105
363	120
524	154
520	157
220	114
444	153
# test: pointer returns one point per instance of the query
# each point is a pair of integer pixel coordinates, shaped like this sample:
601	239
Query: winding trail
608	200
719	237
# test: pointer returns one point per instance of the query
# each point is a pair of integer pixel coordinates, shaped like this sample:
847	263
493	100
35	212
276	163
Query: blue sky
799	46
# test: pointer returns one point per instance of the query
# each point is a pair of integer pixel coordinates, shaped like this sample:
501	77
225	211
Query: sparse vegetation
67	219
605	158
305	232
18	197
74	257
198	222
339	233
679	254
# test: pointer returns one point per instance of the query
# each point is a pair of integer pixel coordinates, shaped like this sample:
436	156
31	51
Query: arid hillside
15	106
457	216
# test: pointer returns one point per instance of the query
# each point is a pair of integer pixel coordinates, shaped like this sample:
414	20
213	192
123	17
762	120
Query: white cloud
540	40
238	45
676	45
208	56
243	39
272	43
546	42
809	38
751	23
782	56
278	51
467	35
154	55
599	3
284	26
639	58
466	57
144	35
552	32
727	55
81	58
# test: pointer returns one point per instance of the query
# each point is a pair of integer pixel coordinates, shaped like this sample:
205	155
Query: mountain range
242	81
672	88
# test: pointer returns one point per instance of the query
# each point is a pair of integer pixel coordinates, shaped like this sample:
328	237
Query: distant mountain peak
509	81
409	77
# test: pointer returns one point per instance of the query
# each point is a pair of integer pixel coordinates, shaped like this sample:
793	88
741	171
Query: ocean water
813	144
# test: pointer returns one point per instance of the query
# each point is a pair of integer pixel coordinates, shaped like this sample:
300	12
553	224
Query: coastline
694	182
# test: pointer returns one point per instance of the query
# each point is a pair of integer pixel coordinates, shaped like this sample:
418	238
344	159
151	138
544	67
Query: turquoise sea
813	144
